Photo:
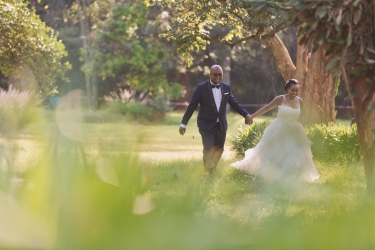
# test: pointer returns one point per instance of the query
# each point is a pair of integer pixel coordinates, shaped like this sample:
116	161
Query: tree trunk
184	77
85	35
317	85
302	62
94	93
365	120
318	91
226	65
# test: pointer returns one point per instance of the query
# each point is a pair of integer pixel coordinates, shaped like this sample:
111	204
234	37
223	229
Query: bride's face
293	91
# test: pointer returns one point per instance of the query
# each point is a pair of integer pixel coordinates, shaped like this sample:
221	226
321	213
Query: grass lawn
234	194
142	186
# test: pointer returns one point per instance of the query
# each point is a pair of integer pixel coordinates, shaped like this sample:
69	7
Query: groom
213	97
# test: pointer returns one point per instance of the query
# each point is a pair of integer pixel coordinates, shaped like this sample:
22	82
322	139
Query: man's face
216	75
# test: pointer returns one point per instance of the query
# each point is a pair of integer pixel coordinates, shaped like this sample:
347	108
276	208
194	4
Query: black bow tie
215	86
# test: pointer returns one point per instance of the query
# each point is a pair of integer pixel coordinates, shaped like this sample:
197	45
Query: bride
284	151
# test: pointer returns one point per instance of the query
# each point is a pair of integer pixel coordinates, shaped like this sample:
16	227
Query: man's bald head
216	74
216	67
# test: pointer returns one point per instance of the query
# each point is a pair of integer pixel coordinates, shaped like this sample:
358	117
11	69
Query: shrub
18	109
247	138
334	142
137	110
159	106
330	142
127	103
132	110
137	107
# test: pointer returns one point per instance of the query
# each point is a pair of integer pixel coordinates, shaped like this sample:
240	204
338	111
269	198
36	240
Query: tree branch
278	27
270	34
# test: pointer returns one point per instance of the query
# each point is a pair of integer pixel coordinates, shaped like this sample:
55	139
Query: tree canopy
28	42
196	23
127	44
346	28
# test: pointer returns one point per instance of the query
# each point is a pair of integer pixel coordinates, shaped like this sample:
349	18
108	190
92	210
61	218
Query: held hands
182	130
248	119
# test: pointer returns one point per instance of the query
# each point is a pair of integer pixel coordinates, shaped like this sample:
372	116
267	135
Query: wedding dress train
284	151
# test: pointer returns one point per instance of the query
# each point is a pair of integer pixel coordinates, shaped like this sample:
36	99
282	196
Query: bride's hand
248	119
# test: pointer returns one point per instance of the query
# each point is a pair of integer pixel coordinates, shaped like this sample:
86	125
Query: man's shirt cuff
182	125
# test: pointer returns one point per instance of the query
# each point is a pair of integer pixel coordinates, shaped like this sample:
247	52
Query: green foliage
18	109
131	110
330	142
95	12
334	142
247	138
344	27
196	23
127	45
27	42
135	108
159	107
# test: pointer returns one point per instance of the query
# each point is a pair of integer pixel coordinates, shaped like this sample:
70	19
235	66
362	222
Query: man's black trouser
213	146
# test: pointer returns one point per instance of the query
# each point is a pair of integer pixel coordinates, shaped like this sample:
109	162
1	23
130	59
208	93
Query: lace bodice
288	111
293	104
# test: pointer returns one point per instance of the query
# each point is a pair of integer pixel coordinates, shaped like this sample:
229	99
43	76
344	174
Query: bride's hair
290	82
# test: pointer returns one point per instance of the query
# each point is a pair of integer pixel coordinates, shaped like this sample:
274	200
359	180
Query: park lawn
158	141
155	141
150	141
171	174
173	165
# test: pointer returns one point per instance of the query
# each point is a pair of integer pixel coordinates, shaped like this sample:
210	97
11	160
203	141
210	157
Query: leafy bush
159	107
330	142
132	110
334	142
30	44
141	107
247	138
18	109
137	110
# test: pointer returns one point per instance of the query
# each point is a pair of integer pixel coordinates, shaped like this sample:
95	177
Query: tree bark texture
318	91
85	36
283	61
317	85
94	92
184	77
365	120
226	65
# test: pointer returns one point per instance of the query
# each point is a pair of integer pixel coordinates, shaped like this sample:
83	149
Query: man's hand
182	130
248	119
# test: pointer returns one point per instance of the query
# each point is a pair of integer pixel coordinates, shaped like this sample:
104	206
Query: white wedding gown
284	151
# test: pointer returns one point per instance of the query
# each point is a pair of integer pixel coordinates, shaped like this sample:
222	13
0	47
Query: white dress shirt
217	97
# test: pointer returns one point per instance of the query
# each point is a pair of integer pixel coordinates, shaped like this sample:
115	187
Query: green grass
142	186
234	194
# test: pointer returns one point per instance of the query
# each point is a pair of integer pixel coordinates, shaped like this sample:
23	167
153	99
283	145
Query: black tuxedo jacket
208	113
